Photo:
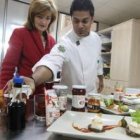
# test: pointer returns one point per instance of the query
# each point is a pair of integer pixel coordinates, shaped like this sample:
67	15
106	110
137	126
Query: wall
14	15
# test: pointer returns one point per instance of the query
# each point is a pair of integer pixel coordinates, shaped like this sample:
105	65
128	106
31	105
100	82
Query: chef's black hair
82	5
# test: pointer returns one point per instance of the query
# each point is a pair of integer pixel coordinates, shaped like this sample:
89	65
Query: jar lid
50	92
93	94
60	87
79	86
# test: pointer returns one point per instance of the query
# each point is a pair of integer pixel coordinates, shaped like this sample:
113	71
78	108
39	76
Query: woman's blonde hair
38	7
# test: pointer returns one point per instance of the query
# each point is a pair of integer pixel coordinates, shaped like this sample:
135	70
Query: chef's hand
27	81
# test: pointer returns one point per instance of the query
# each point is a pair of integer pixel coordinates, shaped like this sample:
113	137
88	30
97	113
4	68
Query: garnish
109	103
123	108
136	116
122	123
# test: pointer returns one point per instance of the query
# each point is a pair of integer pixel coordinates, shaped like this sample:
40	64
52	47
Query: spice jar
78	97
93	103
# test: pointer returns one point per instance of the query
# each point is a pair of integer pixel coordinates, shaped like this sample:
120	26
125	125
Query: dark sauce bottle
16	108
21	109
12	113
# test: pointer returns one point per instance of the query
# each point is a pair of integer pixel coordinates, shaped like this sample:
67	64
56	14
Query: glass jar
78	98
61	91
93	103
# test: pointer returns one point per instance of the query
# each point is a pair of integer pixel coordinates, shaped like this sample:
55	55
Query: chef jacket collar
76	38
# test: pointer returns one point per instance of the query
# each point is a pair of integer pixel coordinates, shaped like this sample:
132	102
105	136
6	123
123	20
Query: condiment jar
93	103
118	92
61	91
78	98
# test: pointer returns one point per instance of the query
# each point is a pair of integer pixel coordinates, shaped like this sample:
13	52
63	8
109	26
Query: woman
29	43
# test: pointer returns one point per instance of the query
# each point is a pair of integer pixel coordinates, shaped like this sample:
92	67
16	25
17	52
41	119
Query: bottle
12	113
16	108
61	91
118	92
21	112
78	98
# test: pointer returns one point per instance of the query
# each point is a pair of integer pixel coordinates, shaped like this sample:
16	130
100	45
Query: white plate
113	111
131	102
63	125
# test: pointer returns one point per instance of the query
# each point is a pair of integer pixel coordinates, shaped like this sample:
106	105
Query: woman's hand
27	81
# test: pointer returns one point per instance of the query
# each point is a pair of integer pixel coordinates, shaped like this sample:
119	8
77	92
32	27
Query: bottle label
63	102
78	101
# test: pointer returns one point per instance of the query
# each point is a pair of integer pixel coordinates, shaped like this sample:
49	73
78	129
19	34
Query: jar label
52	107
93	107
78	101
63	102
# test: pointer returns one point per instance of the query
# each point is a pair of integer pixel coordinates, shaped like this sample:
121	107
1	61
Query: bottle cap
18	80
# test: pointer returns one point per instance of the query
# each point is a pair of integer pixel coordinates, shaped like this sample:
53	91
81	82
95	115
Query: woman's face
41	21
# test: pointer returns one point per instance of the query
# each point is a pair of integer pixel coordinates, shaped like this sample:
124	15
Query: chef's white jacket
78	58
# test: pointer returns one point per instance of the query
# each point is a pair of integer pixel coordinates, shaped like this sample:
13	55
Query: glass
93	103
61	91
78	98
39	107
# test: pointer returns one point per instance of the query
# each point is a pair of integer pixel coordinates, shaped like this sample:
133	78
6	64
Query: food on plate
132	96
96	124
123	108
109	103
122	123
133	128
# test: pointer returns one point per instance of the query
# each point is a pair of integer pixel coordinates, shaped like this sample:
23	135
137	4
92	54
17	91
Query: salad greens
108	102
136	116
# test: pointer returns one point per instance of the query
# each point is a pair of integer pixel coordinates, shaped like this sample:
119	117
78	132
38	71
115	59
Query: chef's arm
101	83
41	75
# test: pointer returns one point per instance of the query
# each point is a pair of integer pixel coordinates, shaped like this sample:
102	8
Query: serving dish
63	126
115	111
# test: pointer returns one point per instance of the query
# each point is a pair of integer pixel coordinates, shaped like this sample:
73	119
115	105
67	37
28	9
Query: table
34	130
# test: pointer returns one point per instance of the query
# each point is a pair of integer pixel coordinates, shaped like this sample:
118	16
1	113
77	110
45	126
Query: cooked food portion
123	108
132	96
96	124
133	128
